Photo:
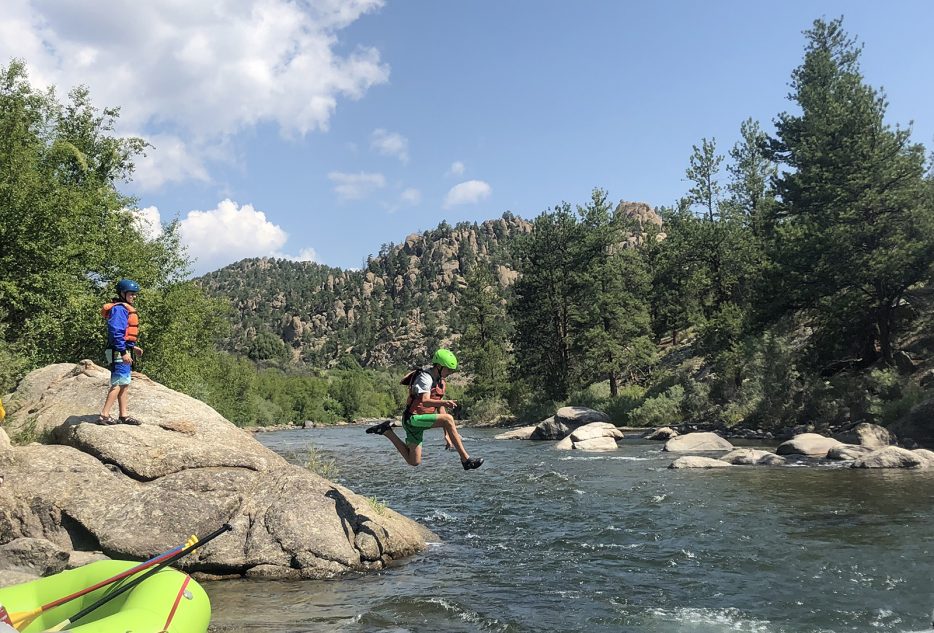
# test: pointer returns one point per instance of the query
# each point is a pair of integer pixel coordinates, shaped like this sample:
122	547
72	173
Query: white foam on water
600	458
439	516
712	620
659	498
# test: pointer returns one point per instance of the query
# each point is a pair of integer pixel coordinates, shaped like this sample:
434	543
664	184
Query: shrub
662	410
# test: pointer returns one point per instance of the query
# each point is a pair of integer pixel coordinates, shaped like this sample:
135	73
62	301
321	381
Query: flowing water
546	540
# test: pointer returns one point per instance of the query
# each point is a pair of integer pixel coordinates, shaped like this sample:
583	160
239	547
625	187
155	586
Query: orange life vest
436	393
132	322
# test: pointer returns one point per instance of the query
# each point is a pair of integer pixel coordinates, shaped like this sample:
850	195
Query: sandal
129	420
105	420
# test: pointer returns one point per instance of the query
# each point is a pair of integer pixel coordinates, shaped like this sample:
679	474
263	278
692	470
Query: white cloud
356	186
390	144
205	71
469	192
457	169
169	159
229	233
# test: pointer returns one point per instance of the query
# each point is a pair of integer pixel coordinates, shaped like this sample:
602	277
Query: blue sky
322	130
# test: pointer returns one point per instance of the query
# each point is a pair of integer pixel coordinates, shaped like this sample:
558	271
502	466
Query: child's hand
138	351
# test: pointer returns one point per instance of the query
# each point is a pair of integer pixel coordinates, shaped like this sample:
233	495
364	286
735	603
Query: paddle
21	619
136	581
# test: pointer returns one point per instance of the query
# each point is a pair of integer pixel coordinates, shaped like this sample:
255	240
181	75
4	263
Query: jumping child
426	396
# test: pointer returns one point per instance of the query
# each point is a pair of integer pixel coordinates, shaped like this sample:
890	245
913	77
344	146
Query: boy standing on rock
426	397
122	334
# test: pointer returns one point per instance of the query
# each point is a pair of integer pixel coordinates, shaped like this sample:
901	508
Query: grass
378	506
319	464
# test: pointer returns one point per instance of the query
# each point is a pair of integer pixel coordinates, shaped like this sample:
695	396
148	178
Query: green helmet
445	358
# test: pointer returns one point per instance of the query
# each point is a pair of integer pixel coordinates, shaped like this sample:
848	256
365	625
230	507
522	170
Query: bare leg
109	401
446	422
122	398
412	454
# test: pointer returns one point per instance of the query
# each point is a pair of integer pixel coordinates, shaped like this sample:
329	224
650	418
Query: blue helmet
127	285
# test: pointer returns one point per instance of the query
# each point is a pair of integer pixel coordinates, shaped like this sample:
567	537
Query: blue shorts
120	374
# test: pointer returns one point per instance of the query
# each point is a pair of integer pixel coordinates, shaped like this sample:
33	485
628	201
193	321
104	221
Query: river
542	540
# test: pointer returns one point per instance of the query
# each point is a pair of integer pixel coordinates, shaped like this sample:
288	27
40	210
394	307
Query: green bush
662	410
620	408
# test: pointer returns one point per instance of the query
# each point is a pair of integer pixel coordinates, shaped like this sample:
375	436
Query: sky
321	130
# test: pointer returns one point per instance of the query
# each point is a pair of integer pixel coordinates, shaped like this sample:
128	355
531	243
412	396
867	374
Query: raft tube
168	601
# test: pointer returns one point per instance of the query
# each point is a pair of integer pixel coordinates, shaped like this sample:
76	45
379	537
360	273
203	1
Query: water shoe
471	463
380	428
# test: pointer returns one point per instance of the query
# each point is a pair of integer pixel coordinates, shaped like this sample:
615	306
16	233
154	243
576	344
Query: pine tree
852	231
611	337
543	302
483	348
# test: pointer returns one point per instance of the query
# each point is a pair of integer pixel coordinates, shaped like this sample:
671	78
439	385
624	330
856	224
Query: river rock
522	433
868	435
575	417
697	461
596	444
926	455
892	457
696	442
135	491
565	420
35	556
549	429
10	578
848	452
80	559
809	444
664	433
597	436
752	457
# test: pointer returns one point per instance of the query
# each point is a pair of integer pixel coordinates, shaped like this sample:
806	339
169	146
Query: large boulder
521	433
698	461
597	436
809	444
867	435
565	420
664	434
135	491
35	556
579	416
848	452
697	442
752	457
894	457
549	429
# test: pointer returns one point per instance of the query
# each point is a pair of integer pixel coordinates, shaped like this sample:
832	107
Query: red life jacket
436	393
132	322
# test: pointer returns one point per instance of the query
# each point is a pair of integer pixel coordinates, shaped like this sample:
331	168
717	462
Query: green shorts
416	425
